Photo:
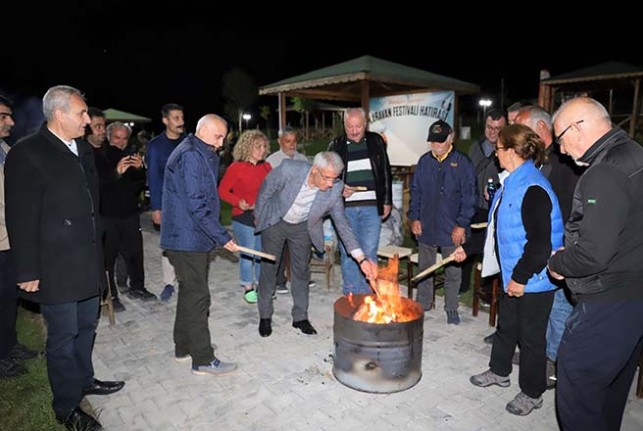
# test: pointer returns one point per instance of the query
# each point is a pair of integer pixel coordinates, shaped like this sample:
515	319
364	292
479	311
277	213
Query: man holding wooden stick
443	199
191	230
291	206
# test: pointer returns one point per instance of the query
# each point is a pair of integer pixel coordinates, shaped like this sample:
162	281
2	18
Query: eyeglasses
333	180
500	148
559	137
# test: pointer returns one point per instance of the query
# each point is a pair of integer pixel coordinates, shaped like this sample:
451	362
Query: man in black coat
51	190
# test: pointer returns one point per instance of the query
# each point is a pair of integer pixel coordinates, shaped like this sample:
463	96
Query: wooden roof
344	81
602	77
611	70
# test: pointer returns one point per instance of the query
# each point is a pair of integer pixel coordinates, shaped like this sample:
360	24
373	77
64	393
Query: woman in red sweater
240	187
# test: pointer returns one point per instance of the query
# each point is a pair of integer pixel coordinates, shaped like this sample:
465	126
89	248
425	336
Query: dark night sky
123	57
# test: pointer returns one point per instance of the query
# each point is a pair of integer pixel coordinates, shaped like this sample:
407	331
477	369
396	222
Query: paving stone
285	382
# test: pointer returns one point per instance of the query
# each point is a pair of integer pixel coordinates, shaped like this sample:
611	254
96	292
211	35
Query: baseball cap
439	131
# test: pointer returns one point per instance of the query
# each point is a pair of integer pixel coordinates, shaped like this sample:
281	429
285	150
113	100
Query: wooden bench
493	305
326	264
403	253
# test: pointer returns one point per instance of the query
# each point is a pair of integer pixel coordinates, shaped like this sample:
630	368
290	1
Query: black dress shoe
79	420
103	388
489	338
10	368
265	327
22	353
304	326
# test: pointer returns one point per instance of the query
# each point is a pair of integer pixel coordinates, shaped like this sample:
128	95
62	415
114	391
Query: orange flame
388	306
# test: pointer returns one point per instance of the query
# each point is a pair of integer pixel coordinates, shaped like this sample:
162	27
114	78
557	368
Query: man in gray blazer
292	203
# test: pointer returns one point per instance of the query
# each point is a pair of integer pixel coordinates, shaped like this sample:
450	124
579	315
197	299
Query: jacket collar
604	143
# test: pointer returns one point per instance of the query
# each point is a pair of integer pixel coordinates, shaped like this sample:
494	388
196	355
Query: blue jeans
245	237
560	310
365	223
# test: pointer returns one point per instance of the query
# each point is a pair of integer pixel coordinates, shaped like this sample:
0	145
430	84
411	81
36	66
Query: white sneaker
282	289
214	368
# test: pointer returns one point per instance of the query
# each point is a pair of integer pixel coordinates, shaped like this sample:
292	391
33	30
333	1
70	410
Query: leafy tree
265	114
303	106
240	92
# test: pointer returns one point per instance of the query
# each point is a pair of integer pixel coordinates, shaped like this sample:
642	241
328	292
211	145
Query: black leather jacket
379	164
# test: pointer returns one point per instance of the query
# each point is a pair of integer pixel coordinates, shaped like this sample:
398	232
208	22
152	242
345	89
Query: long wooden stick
432	268
479	225
257	253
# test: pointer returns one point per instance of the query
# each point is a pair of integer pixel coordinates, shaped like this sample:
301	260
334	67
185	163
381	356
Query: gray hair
287	131
536	114
57	98
326	159
355	111
118	125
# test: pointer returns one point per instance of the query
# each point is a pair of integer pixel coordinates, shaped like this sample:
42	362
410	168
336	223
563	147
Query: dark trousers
120	270
281	270
191	331
8	304
123	235
71	328
299	246
523	322
597	359
476	247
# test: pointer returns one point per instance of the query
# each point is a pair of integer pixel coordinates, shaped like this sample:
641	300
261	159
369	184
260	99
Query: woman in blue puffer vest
525	226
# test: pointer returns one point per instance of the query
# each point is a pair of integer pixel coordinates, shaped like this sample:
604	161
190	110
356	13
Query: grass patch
29	405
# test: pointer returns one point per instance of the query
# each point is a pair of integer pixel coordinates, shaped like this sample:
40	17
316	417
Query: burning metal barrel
377	357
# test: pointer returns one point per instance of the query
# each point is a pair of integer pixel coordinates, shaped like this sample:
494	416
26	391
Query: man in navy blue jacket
443	202
190	231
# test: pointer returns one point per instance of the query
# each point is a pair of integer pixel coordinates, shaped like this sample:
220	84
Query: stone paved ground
285	382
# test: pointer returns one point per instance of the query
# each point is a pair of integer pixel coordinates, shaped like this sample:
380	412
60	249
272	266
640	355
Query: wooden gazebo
611	83
360	79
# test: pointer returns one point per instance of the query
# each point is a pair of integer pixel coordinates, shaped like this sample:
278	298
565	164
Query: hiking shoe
182	358
452	317
250	296
22	353
142	294
282	289
10	368
551	374
167	292
214	368
522	405
118	306
489	378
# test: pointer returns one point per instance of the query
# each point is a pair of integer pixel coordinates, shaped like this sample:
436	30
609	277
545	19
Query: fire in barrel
378	337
